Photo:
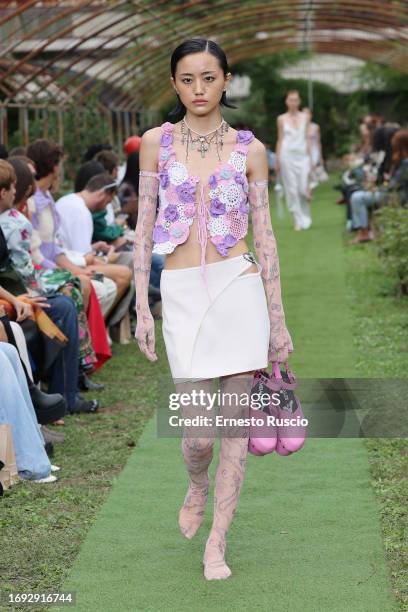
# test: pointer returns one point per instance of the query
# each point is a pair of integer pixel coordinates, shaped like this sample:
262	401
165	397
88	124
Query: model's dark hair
198	45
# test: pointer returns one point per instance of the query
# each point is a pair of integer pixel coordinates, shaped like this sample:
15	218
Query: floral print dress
17	230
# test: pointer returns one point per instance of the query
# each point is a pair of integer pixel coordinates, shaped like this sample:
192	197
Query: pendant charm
249	256
203	142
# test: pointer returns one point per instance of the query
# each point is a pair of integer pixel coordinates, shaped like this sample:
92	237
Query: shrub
392	243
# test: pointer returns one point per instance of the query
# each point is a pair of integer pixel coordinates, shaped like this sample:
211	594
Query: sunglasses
111	186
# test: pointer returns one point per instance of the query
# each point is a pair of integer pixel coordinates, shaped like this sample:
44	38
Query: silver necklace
203	141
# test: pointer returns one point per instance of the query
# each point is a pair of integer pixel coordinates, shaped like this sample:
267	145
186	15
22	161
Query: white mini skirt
216	333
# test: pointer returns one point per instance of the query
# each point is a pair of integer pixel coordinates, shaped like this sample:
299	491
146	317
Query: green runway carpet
306	534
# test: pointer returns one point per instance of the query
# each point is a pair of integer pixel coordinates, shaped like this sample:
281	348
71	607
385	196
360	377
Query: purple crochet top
225	220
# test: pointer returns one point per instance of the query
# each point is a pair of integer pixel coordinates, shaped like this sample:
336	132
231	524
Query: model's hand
280	345
145	336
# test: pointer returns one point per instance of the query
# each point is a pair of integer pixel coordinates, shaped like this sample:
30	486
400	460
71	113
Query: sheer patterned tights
197	447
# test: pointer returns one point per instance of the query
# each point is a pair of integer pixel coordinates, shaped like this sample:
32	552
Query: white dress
295	168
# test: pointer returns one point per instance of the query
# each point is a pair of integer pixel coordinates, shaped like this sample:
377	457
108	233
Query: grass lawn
43	527
380	318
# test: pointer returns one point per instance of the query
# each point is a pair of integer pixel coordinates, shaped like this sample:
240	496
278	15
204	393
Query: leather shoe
49	449
48	407
82	405
52	436
86	384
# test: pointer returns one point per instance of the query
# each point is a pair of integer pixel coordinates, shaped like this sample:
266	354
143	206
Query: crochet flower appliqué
166	139
164	178
245	137
160	234
217	207
178	232
186	191
171	213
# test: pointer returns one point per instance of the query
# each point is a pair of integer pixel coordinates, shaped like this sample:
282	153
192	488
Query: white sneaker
55	468
49	478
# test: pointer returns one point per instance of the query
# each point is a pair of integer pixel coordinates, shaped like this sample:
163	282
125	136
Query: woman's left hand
23	310
37	300
40	301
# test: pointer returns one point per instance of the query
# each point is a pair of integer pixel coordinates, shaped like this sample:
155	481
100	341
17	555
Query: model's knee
199	447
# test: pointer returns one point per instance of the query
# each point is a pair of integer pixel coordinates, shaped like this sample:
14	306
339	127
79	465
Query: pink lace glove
280	343
142	257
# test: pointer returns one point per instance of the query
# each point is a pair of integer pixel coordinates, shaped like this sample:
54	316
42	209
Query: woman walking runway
293	161
222	310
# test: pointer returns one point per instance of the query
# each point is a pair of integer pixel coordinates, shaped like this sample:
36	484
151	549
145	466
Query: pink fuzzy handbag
284	438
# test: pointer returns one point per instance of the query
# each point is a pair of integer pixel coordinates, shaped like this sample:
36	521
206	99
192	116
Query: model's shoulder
152	136
257	158
256	147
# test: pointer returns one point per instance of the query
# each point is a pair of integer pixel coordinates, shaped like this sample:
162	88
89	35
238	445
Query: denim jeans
360	201
156	269
64	372
16	409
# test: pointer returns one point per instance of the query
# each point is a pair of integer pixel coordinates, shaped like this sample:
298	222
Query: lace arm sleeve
143	244
266	250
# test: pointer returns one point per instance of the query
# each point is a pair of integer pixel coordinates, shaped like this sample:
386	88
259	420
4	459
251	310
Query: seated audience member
18	151
86	172
382	138
102	232
76	230
46	254
16	409
105	288
110	162
398	180
46	250
47	156
94	150
365	199
49	407
129	189
15	259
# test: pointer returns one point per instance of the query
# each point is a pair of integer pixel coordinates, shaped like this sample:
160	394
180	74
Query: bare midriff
188	254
